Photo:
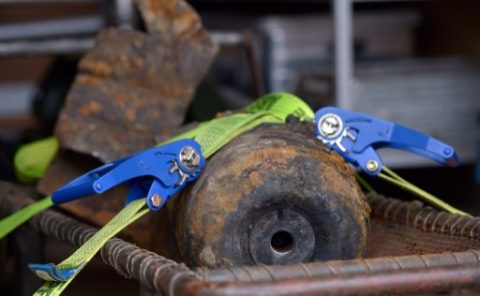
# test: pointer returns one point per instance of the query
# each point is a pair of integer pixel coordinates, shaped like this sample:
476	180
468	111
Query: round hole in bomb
282	242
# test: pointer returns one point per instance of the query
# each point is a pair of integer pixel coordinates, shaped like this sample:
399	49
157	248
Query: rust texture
274	178
133	87
406	282
131	92
374	276
400	228
339	267
130	261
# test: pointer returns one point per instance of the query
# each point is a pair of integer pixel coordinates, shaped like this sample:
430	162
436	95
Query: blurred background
413	62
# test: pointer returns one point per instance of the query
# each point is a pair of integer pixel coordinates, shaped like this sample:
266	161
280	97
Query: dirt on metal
133	87
446	257
131	92
273	179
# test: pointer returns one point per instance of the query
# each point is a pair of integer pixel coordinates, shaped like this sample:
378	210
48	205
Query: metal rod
51	28
125	16
226	38
339	267
422	280
3	2
75	45
45	47
255	70
353	277
152	270
343	52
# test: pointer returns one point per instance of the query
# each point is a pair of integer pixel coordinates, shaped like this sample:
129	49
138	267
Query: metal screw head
189	158
330	125
372	166
156	200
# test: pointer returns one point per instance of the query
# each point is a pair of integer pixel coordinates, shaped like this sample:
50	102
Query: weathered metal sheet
133	87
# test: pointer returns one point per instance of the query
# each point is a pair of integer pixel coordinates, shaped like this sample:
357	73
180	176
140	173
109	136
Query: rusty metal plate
133	87
131	92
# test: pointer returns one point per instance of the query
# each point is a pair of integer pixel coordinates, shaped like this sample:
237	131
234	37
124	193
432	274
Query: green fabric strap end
16	219
32	160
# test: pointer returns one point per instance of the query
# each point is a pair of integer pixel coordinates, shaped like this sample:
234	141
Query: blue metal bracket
156	173
356	136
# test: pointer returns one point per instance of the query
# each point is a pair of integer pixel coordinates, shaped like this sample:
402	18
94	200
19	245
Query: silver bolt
174	167
156	200
183	178
189	158
330	125
372	166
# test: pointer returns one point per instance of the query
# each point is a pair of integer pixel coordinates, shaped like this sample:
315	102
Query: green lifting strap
32	160
211	135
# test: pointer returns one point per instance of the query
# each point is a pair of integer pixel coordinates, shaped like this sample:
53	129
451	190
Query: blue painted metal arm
356	137
156	173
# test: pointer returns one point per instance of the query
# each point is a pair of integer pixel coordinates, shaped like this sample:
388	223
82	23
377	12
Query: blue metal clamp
50	272
356	136
156	173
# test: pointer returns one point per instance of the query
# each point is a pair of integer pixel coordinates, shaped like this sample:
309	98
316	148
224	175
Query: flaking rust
133	87
131	92
274	195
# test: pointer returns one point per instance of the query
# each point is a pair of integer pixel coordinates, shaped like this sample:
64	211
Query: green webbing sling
212	135
32	160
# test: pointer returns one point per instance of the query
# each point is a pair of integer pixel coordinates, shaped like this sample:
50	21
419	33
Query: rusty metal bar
425	218
152	270
405	274
423	280
411	214
338	268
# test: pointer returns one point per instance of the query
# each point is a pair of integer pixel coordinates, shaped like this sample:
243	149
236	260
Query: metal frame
406	274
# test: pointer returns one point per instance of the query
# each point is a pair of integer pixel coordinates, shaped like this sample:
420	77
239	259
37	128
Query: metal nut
330	125
189	158
372	166
156	200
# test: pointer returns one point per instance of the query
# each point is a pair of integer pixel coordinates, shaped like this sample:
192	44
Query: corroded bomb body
274	195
